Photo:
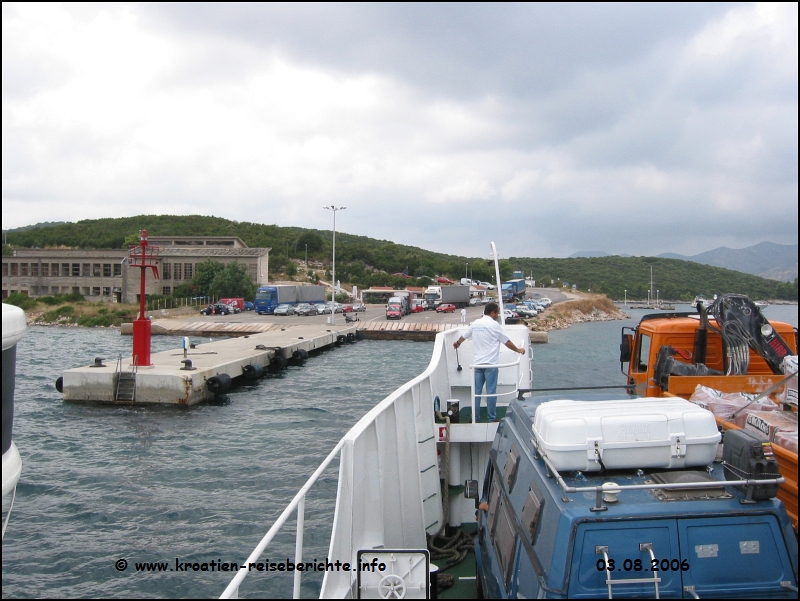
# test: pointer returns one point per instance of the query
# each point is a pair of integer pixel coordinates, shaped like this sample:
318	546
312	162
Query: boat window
531	511
504	542
510	471
643	354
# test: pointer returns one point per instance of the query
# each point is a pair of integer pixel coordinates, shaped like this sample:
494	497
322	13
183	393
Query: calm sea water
205	483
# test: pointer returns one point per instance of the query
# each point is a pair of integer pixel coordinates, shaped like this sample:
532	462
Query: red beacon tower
143	256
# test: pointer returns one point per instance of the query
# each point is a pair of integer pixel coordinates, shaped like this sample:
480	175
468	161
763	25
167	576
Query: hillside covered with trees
369	262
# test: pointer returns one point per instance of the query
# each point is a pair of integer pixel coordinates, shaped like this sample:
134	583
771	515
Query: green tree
233	281
312	239
205	274
291	269
278	263
506	270
185	290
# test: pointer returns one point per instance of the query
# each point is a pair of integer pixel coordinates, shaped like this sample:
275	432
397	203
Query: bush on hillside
23	301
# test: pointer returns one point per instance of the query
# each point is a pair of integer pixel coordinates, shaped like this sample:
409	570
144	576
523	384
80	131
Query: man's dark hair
491	308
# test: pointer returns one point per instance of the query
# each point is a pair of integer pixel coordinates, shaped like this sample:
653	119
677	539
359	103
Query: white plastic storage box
630	433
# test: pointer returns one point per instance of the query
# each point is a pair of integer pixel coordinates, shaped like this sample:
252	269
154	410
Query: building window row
55	290
177	271
55	270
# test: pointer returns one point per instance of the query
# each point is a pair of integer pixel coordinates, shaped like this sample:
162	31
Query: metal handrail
617	488
232	590
117	372
474	366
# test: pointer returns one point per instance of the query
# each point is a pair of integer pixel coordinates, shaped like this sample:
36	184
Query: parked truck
269	297
436	295
405	295
431	297
513	289
233	302
397	307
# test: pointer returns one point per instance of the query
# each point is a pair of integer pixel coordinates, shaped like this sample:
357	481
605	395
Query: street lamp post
333	269
306	256
625	302
466	270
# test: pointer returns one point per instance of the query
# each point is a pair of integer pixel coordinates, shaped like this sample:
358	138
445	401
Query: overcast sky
549	129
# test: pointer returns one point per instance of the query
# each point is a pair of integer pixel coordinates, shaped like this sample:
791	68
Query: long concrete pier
204	371
371	330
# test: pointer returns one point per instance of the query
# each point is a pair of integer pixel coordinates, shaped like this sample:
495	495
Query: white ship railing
299	503
518	380
388	476
390	455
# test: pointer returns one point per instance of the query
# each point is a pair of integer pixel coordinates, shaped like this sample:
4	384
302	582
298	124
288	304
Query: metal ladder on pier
126	382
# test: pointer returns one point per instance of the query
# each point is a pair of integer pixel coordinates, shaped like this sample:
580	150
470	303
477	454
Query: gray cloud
551	128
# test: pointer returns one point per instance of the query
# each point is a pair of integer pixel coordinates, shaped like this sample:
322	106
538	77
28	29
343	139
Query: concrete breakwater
369	330
190	376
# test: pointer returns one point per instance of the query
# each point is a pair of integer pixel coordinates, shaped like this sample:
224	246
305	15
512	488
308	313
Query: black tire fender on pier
252	372
219	383
300	355
340	339
351	337
278	362
60	384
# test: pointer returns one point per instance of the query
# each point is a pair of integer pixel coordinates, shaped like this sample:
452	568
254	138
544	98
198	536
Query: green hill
368	262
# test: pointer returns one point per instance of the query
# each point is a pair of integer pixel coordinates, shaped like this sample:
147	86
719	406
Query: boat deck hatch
682	477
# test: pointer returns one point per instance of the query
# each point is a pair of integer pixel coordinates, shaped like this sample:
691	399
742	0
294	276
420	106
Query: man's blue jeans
489	376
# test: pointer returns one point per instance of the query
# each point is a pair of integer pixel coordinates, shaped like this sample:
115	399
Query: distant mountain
766	259
581	254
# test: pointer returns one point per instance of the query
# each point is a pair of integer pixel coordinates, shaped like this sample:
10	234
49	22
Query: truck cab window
643	353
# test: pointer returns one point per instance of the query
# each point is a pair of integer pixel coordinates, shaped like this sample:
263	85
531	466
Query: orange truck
729	348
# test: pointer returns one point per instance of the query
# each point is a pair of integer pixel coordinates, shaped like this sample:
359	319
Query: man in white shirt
487	336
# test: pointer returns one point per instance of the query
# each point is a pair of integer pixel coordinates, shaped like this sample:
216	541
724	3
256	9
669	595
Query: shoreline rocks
562	318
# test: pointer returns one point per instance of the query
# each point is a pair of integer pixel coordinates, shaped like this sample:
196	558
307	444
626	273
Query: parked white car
488	286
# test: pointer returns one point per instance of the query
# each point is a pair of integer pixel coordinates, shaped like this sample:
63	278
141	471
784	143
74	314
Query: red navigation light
143	256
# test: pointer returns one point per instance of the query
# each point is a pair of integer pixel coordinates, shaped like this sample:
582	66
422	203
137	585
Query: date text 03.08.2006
636	565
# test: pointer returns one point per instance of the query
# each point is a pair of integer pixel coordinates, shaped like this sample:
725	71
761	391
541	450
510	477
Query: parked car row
285	309
219	309
481	300
318	309
526	309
